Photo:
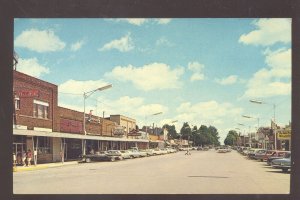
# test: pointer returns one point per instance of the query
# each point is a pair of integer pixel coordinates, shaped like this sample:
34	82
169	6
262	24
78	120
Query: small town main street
203	172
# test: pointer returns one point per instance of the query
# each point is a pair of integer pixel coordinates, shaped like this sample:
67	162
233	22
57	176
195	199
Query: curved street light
85	96
274	110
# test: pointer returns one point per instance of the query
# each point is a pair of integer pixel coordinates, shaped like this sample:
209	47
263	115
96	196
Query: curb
42	166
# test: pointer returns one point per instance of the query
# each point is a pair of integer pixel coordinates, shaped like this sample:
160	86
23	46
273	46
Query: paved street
203	172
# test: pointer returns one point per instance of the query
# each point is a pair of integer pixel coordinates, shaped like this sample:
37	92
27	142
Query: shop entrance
18	150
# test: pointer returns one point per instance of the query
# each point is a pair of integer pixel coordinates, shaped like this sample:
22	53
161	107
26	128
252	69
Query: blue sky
201	71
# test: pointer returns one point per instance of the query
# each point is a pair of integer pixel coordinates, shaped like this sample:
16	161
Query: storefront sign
27	93
134	133
284	136
70	126
119	130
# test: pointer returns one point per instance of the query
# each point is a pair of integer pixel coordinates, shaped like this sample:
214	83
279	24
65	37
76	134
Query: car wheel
131	157
261	160
88	160
112	159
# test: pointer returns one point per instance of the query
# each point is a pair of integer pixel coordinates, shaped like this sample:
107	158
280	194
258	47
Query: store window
44	145
17	103
40	109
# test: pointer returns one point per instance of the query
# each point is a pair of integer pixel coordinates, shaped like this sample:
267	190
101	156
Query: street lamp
250	117
250	137
274	108
85	96
158	113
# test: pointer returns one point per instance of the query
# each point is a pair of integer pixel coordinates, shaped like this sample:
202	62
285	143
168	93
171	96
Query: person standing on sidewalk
29	157
24	155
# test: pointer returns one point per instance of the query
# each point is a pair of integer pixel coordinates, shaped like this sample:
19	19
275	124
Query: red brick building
51	131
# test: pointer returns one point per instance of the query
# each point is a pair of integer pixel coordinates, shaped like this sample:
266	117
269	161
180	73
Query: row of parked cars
274	158
113	155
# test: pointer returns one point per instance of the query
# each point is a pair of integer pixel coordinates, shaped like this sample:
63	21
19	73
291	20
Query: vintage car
126	154
253	152
98	156
277	155
283	163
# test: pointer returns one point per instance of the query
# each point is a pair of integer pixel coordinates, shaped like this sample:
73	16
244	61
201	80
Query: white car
125	154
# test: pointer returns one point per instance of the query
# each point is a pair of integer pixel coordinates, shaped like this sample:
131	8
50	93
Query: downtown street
202	172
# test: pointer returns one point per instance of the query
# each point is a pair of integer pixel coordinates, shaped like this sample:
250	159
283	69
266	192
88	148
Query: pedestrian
24	155
29	157
14	159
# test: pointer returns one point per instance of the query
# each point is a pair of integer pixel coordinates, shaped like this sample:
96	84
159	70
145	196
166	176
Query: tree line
205	135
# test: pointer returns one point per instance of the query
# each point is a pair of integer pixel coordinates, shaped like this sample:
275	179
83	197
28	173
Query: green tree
172	133
231	138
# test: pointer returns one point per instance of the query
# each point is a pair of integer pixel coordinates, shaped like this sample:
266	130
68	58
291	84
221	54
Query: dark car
99	156
278	155
283	163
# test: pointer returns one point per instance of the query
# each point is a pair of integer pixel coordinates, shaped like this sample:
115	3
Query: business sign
284	135
119	130
70	126
134	132
27	93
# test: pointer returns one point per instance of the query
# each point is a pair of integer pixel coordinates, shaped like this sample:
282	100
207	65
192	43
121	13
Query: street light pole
274	109
85	96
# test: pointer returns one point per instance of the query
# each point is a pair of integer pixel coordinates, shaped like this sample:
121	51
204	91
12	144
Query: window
44	145
40	109
17	103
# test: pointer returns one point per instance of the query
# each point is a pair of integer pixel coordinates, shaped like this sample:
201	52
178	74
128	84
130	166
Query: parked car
283	163
115	153
157	152
277	155
134	153
98	156
199	149
149	152
253	152
126	154
261	154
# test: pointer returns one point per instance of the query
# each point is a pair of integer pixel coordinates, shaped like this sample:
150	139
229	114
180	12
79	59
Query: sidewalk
44	166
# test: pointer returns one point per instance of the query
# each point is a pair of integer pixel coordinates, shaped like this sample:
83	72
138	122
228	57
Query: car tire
131	157
112	159
88	160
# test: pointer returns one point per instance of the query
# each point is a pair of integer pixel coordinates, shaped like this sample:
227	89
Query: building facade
54	133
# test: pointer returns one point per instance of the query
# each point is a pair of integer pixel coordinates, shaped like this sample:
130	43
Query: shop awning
72	135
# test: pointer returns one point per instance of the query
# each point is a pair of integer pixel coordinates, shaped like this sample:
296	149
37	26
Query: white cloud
79	87
268	32
228	80
39	40
273	80
77	45
133	21
196	68
163	41
123	44
141	21
163	20
149	77
206	113
32	67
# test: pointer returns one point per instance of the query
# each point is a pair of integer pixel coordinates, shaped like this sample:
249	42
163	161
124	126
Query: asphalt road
203	172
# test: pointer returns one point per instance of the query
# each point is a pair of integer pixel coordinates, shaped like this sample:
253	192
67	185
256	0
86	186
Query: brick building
51	131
